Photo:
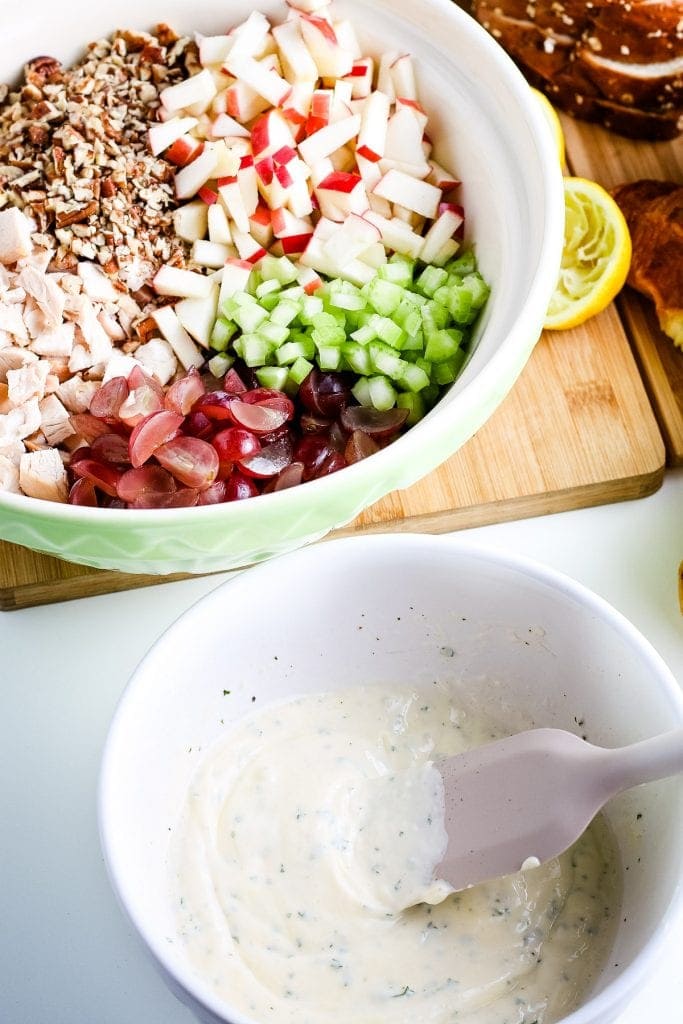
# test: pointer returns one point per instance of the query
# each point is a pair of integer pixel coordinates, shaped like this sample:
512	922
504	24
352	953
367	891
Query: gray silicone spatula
533	794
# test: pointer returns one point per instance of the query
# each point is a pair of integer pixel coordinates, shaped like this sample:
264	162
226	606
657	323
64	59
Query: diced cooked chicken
42	475
76	394
12	321
158	358
13	357
12	450
9	475
15	236
20	422
27	382
45	291
55	422
95	337
96	284
111	325
55	341
119	365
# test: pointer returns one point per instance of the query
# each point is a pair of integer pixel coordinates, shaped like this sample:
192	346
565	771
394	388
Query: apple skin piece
184	150
270	133
165	133
190	178
331	59
374	123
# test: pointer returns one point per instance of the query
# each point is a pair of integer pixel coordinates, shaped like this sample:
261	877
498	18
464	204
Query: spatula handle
652	759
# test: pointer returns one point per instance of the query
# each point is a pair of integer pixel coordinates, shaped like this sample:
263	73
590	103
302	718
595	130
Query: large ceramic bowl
388	609
484	121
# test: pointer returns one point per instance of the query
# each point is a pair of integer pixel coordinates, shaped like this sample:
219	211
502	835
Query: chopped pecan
38	134
166	35
41	70
146	329
75	216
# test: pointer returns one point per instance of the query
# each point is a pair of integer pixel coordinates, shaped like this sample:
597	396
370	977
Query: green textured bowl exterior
516	216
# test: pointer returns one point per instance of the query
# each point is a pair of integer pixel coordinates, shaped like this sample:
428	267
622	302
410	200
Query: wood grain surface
610	160
577	429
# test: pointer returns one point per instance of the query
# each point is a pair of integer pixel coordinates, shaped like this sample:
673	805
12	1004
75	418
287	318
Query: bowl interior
486	128
522	644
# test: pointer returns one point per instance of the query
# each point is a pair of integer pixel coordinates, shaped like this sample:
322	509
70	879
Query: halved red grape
147	479
332	464
372	421
185	497
359	446
191	461
271	398
107	400
234	443
270	460
137	378
104	476
184	392
111	448
324	393
83	452
87	426
290	476
199	425
83	493
141	402
215	494
314	423
312	450
151	433
239	487
260	419
233	383
215	405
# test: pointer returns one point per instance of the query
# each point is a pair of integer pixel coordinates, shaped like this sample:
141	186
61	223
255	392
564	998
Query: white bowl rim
506	363
618	991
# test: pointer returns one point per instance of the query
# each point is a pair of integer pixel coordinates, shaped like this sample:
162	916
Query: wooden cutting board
610	160
576	430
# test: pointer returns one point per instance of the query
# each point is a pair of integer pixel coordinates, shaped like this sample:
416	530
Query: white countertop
66	954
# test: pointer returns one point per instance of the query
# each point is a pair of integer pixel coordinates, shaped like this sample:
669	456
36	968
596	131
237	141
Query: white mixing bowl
519	634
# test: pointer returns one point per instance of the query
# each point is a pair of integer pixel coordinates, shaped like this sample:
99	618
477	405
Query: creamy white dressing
290	884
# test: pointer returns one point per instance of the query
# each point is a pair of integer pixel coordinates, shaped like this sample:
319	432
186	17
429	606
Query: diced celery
400	272
267	288
299	370
249	317
328	335
442	345
347	300
446	372
221	334
361	391
478	289
293	350
270	301
413	377
243	299
385	359
430	279
311	307
460	304
414	342
385	329
408	316
294	291
364	334
273	376
276	333
220	364
285	311
383	296
382	393
329	357
255	349
277	268
464	264
357	356
415	405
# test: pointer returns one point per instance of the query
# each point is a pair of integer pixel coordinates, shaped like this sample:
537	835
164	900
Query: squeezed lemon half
596	256
550	114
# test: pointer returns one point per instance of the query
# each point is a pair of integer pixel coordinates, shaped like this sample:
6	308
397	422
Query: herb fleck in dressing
291	891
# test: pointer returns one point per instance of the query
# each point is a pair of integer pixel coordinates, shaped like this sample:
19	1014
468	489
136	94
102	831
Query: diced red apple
343	159
198	90
374	121
246	179
441	231
190	220
410	192
248	248
292	245
355	271
214	49
259	77
347	38
309	6
224	126
250	37
308	279
297	63
403	77
244	103
360	78
396	235
299	199
331	59
341	193
270	133
285	223
260	227
175	334
328	139
210	254
351	239
404	139
190	178
385	82
184	150
234	279
441	178
375	255
180	283
218	225
164	134
199	315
